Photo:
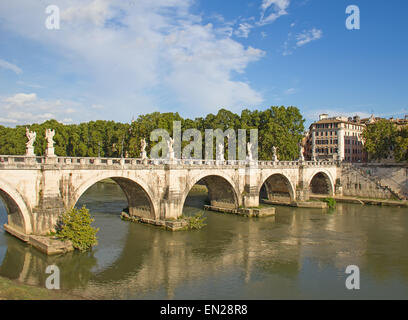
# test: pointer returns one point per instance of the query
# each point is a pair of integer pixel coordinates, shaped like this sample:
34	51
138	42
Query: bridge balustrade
89	161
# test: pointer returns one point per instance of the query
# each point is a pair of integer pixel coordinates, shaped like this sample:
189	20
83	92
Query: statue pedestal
49	152
172	160
220	161
30	152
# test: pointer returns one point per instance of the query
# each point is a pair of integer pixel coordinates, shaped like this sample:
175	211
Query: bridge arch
278	185
19	216
137	192
222	190
321	182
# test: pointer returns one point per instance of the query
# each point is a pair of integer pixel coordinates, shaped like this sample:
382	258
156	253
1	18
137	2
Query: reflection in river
299	253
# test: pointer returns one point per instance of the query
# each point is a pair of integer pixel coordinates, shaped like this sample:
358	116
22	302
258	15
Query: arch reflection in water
3	220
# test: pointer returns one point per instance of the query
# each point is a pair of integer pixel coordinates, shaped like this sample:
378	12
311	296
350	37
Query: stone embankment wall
382	181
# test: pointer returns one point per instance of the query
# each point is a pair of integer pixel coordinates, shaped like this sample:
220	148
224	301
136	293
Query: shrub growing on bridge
75	225
331	203
196	222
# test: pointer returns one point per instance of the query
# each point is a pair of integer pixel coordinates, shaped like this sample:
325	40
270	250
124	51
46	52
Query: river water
298	254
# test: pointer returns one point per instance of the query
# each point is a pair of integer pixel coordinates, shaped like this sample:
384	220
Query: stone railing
95	161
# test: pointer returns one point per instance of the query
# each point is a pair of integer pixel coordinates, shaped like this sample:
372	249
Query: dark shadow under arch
14	213
320	184
139	202
220	192
277	187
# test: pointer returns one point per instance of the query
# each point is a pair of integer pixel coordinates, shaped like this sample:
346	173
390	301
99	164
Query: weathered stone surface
248	212
169	225
50	245
381	181
311	204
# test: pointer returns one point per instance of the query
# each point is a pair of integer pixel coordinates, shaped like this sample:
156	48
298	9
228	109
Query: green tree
379	139
280	127
401	145
76	225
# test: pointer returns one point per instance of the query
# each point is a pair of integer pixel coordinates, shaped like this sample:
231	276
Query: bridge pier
172	206
251	191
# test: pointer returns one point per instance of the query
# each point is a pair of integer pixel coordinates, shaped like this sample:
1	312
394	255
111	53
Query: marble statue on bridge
170	144
249	147
301	152
49	135
143	148
31	135
274	154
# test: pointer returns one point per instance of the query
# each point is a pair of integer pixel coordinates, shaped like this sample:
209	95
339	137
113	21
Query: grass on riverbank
12	290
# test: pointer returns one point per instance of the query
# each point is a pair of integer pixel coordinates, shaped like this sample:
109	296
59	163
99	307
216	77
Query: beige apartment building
335	138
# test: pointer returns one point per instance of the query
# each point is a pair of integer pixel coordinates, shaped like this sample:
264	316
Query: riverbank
13	290
365	201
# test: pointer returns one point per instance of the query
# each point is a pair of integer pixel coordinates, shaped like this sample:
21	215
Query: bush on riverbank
76	225
331	203
195	222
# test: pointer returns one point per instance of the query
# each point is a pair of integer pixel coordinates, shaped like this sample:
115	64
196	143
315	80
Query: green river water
298	254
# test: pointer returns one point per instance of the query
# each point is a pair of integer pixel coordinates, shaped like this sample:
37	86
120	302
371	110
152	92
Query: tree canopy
383	140
277	126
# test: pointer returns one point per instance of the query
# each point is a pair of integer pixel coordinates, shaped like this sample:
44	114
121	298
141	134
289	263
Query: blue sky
116	59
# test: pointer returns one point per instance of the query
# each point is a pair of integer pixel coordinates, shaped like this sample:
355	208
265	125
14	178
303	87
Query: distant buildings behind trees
355	139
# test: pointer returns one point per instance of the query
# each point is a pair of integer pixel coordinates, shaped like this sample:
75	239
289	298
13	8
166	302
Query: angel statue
143	148
249	147
274	153
170	143
143	144
30	143
31	138
220	152
170	151
274	150
301	151
49	135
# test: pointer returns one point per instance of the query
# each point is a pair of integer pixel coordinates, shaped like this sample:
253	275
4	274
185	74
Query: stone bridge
36	190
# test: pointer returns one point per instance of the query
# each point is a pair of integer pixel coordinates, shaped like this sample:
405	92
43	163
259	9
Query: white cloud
20	99
272	10
243	30
8	121
300	39
143	54
25	108
308	36
9	66
97	106
95	12
290	91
